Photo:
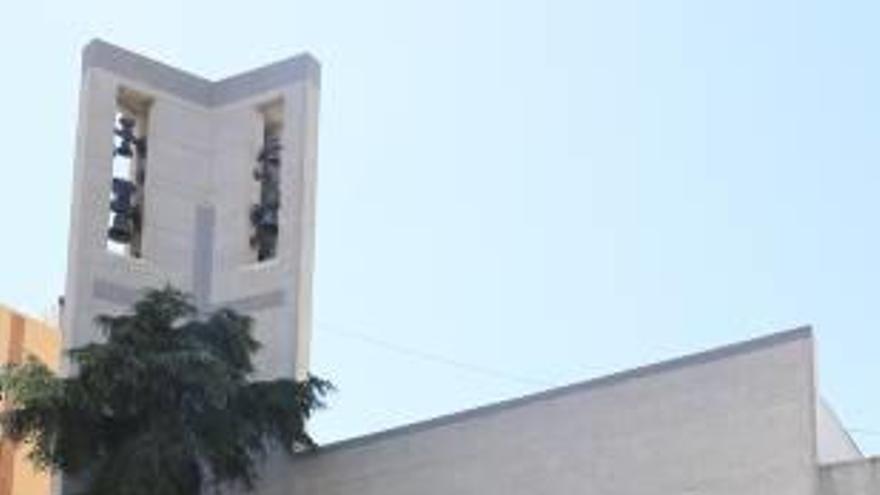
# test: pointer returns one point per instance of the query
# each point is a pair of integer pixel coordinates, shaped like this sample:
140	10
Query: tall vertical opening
127	198
264	213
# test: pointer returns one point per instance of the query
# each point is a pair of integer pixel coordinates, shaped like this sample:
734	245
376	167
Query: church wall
860	477
732	421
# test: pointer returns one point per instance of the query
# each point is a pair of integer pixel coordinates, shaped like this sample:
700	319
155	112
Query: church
210	186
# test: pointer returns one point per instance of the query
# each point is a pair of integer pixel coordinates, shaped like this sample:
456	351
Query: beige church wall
729	422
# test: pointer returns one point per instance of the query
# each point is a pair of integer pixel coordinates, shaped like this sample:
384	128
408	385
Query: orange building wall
22	336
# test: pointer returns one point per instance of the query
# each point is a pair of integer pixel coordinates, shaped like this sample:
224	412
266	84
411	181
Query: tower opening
128	178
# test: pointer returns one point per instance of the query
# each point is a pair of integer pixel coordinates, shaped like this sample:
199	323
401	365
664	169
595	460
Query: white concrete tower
208	186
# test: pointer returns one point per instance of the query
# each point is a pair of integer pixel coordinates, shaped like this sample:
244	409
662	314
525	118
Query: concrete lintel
194	88
100	54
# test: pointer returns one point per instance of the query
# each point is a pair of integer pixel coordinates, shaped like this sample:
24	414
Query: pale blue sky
521	194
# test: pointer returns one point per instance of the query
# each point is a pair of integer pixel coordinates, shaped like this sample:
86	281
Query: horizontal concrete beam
194	88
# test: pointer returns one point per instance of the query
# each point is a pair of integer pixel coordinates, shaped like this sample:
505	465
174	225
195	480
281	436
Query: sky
522	194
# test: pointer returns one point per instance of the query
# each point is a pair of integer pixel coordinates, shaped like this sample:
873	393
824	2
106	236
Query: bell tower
205	185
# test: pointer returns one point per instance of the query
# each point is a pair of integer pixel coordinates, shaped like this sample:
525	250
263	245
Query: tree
166	405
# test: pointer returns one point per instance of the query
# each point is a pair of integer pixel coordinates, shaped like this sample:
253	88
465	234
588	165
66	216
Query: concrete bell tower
208	186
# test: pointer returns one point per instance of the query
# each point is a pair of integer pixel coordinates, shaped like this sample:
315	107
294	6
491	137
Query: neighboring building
204	198
21	337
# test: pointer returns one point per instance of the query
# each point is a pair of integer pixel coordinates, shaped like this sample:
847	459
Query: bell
122	191
125	131
272	174
267	173
121	229
120	205
266	251
268	223
256	213
265	244
124	149
268	159
270	151
265	220
265	238
126	128
270	197
127	122
123	187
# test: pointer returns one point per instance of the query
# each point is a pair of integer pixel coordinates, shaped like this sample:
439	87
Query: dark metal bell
264	219
270	197
121	229
122	191
127	122
268	223
270	153
267	174
129	143
125	129
120	205
124	149
123	187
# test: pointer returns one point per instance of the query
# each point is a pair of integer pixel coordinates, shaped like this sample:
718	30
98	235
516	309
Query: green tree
166	405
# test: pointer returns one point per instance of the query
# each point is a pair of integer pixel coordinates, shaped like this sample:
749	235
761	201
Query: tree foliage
166	405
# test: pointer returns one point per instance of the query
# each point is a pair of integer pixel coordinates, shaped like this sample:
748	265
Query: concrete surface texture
860	477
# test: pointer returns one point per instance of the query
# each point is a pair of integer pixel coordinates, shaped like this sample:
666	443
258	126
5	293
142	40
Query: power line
435	358
470	367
